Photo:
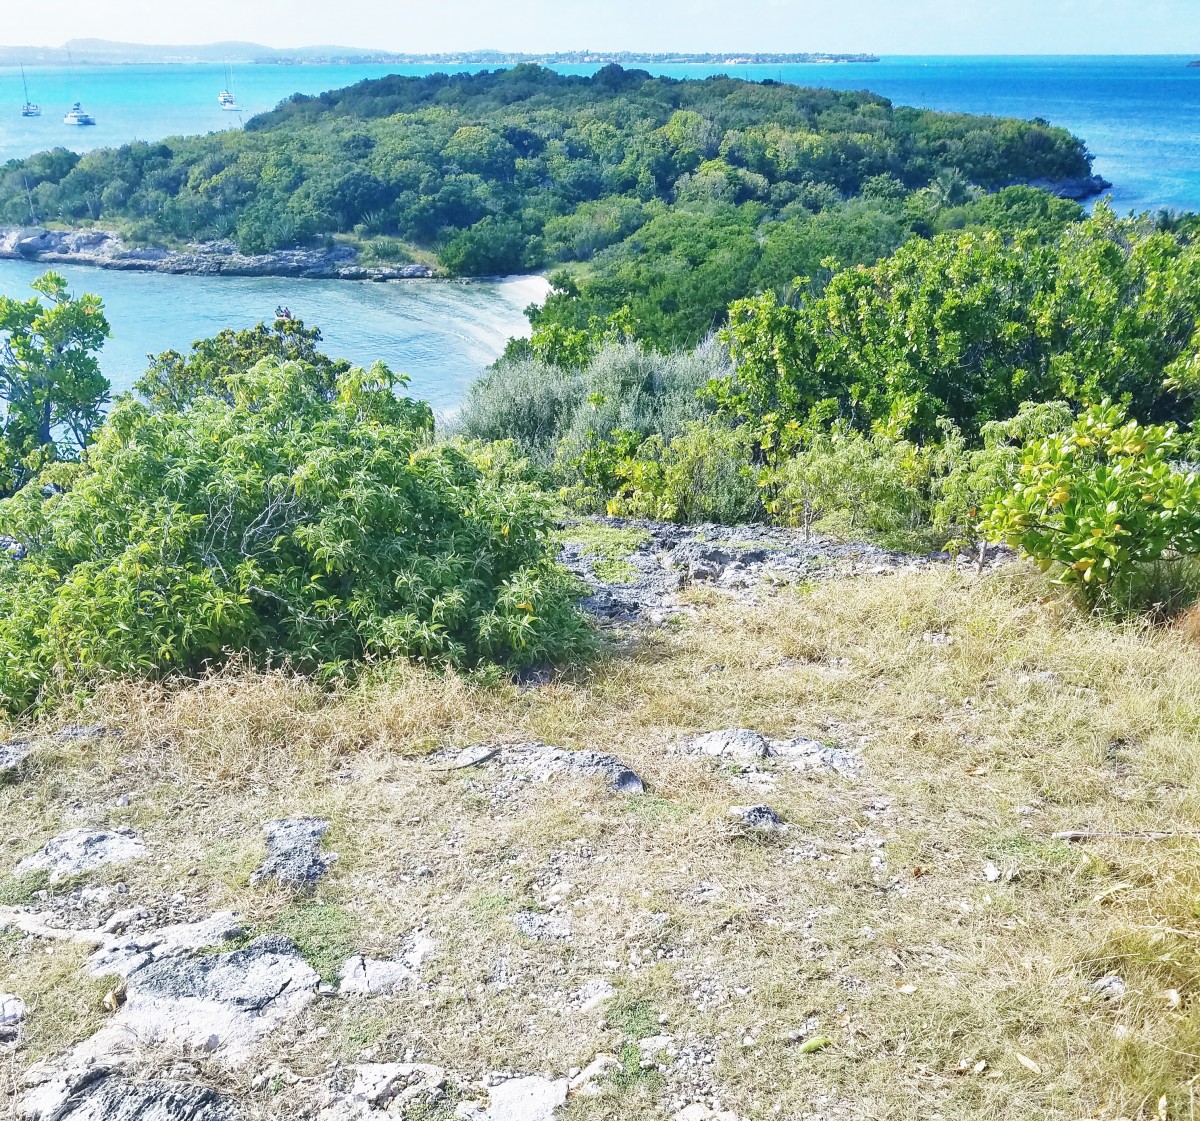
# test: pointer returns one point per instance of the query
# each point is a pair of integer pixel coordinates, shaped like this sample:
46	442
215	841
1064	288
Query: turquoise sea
1140	116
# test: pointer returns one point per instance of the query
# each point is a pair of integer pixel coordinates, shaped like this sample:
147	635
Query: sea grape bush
1104	506
280	517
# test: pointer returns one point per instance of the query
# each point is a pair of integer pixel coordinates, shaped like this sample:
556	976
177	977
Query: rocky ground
106	250
790	849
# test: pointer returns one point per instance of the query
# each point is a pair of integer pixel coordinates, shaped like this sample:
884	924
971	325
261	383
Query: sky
880	26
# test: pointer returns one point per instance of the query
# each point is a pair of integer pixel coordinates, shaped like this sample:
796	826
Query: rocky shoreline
105	250
1078	190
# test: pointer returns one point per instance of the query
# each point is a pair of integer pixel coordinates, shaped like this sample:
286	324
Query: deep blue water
1140	117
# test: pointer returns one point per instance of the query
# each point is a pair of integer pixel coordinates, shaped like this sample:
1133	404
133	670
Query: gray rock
540	762
741	744
524	1099
747	747
126	954
540	927
591	994
98	1094
106	250
365	976
83	850
802	754
1111	987
85	732
12	755
760	819
213	1004
393	1088
294	855
12	1010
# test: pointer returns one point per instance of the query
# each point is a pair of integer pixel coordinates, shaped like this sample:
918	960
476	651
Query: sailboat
75	116
226	99
29	109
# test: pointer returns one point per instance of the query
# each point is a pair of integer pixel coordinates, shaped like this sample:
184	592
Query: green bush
1106	507
875	483
705	474
555	412
283	514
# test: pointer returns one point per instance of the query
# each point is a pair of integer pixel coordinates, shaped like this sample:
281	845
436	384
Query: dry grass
1030	721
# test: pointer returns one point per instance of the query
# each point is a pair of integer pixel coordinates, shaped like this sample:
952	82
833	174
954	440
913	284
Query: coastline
104	249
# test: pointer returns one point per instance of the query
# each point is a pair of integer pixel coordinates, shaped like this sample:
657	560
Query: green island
773	694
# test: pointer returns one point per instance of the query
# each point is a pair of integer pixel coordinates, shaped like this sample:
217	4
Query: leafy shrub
705	474
875	483
275	514
554	412
1107	508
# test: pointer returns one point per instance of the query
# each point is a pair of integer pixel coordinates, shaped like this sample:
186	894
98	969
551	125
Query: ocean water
1140	116
441	333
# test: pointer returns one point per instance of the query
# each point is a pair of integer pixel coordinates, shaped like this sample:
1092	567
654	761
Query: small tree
50	378
1106	507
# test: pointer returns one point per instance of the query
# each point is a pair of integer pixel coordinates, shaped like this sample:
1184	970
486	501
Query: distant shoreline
101	53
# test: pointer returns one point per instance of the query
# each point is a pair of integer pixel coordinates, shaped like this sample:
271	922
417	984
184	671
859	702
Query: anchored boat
77	117
29	109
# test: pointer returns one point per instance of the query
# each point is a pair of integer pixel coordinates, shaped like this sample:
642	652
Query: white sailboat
227	99
29	109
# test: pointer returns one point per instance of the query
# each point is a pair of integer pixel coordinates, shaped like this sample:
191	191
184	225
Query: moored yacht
29	109
76	116
227	101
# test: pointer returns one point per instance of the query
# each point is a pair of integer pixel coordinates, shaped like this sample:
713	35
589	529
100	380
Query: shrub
1107	508
557	412
281	518
875	483
705	474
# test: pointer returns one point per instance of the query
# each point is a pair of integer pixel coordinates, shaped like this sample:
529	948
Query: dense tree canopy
685	194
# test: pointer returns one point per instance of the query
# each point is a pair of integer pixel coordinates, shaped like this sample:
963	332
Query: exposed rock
106	250
732	743
219	1005
12	1013
124	955
541	928
539	762
370	976
591	994
586	1083
698	1112
523	1099
1110	987
74	732
738	560
97	1094
294	855
83	850
760	819
385	1086
802	754
1080	189
12	755
749	748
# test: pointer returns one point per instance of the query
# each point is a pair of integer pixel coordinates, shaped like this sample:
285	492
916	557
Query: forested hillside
683	195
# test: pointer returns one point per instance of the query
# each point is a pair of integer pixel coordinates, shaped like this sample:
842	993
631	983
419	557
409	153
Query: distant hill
106	52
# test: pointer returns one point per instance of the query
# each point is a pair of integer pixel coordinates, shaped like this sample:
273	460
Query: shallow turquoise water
442	333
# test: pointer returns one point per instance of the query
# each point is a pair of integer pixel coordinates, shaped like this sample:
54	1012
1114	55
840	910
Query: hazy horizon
915	27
